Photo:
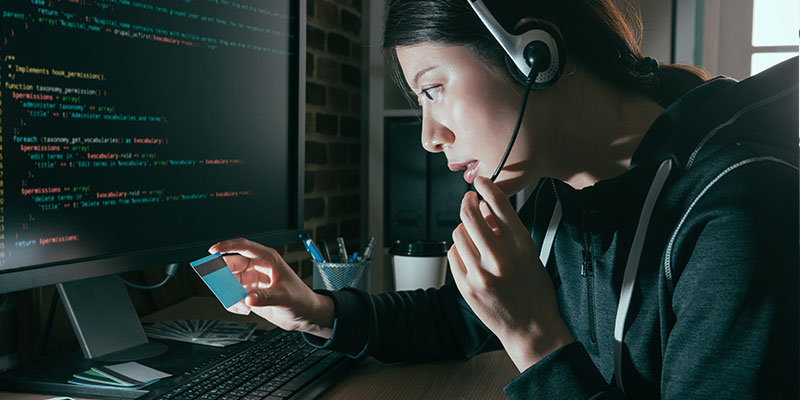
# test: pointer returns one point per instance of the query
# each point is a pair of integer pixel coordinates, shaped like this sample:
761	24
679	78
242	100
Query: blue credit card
219	278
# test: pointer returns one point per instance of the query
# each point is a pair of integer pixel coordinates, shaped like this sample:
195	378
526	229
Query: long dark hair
598	34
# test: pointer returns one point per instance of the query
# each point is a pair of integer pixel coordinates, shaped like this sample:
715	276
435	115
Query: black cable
171	271
516	128
534	73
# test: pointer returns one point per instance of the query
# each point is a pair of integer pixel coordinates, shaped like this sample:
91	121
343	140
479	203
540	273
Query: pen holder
335	276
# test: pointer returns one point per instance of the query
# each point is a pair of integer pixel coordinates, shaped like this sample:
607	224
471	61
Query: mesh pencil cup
335	276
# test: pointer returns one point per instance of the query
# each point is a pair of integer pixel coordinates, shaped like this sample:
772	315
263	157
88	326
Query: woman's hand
276	293
496	267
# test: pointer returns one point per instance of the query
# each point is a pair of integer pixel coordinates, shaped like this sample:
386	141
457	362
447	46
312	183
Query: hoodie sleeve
420	325
567	373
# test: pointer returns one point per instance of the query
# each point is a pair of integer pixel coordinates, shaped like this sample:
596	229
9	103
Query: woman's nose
435	136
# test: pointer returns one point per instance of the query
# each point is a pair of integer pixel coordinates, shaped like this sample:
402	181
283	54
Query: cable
531	79
171	270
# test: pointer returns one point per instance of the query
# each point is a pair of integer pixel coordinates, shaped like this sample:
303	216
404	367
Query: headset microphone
531	78
535	59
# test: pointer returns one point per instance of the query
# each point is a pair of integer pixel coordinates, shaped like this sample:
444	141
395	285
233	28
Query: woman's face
469	109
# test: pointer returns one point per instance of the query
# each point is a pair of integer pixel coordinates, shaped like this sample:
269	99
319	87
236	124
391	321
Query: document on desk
130	375
205	332
219	278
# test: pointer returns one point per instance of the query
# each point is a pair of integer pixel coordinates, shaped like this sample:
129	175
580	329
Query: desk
481	377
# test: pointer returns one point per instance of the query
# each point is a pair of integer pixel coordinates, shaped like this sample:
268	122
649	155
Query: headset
535	58
533	40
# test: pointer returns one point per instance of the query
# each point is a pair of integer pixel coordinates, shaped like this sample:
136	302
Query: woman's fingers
457	267
267	275
498	204
239	308
479	229
264	298
469	257
237	263
254	265
239	253
251	279
490	218
467	251
482	240
242	254
239	245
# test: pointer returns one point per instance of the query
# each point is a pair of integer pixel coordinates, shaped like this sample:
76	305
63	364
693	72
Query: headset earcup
520	77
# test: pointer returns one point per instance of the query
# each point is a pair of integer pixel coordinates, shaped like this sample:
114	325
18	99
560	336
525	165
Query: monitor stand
105	322
108	331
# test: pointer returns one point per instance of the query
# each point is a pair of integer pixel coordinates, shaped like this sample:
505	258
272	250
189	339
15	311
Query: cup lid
419	248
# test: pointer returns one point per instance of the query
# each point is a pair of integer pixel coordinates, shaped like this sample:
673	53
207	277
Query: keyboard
278	365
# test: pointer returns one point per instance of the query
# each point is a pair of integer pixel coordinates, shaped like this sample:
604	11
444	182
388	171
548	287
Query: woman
657	255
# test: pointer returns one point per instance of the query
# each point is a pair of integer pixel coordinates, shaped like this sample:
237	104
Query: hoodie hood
698	124
760	112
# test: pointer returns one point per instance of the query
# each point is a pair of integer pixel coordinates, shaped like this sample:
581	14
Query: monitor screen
138	133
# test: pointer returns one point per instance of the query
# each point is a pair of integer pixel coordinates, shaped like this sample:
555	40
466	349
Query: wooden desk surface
481	377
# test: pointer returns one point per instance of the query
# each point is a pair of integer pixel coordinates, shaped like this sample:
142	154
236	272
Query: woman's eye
432	92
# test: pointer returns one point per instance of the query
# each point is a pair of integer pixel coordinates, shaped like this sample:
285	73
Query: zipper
587	271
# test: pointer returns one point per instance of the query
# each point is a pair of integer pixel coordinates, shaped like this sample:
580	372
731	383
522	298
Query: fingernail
252	298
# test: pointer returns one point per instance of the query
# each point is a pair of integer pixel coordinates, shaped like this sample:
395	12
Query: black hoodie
708	214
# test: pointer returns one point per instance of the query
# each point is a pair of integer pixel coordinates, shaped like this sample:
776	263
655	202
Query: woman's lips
471	172
471	168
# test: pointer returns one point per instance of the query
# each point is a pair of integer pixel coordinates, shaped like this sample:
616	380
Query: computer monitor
136	133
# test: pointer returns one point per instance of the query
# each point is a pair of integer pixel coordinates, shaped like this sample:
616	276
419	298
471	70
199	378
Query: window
744	37
775	33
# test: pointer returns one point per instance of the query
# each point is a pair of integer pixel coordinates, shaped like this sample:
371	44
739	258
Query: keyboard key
281	393
305	377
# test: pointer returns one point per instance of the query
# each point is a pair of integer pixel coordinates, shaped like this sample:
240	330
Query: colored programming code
129	125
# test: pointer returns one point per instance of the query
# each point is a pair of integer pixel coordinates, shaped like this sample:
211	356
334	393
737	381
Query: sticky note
219	278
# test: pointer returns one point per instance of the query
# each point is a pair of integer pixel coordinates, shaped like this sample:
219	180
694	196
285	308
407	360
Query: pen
312	248
368	250
353	257
327	252
342	249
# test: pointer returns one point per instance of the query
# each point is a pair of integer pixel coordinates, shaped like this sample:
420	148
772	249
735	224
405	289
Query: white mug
419	264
